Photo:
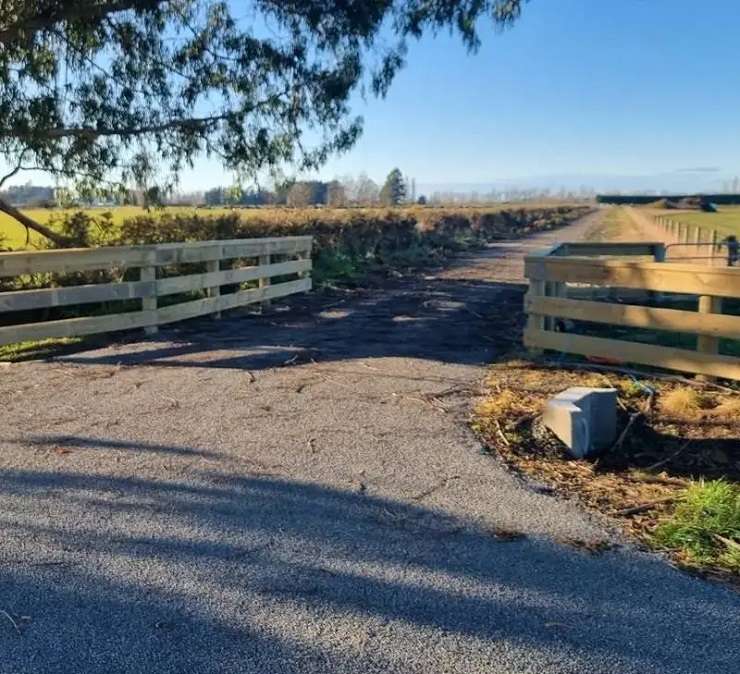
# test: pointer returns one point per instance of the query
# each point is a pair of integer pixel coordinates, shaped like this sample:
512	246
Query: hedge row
358	232
380	236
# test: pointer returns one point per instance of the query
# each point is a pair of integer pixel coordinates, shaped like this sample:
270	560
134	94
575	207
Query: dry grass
728	409
689	434
684	403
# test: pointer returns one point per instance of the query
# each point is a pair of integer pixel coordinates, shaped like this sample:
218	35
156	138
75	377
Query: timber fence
145	286
639	291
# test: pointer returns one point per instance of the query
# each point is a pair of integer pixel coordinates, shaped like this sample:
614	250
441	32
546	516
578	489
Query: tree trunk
29	223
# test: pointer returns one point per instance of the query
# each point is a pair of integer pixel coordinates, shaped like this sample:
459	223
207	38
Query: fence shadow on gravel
450	320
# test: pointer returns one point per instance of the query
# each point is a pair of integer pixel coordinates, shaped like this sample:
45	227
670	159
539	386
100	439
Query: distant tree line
345	191
348	190
29	195
720	199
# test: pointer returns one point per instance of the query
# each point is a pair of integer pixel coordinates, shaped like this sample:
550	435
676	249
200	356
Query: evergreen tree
394	189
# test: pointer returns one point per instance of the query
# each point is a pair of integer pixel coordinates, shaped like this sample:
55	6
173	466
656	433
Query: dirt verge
670	433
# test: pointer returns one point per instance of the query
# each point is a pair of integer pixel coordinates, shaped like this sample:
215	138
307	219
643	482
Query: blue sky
584	87
609	93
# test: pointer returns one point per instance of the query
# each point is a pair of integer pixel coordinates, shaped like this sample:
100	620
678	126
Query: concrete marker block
584	418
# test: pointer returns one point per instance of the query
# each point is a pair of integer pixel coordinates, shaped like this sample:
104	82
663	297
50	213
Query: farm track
299	492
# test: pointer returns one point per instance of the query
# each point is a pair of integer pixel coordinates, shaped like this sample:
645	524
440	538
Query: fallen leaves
654	459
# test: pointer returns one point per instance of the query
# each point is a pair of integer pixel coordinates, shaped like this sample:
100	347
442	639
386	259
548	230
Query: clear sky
587	89
628	87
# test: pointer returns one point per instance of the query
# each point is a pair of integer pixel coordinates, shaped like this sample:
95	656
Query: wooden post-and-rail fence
563	284
692	242
169	276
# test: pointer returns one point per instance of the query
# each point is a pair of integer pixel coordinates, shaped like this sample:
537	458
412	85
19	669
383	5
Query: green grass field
726	220
13	235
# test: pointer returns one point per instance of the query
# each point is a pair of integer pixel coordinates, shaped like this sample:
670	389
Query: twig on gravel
502	338
732	545
12	621
474	313
432	402
644	507
623	435
523	420
678	421
650	403
670	458
658	479
452	391
336	383
648	408
435	487
27	563
324	307
502	434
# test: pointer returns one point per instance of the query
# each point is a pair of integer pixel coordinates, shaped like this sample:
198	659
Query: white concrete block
584	418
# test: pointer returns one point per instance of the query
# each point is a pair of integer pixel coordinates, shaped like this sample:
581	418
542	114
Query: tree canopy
107	93
394	189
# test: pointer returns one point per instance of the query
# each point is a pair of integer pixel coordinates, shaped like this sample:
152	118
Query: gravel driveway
298	492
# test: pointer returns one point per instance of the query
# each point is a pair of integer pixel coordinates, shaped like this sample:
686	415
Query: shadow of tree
245	573
450	320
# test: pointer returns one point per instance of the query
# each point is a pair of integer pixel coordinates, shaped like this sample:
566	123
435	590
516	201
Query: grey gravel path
298	492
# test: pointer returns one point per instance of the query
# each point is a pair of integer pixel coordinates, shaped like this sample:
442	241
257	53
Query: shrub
353	236
347	241
705	525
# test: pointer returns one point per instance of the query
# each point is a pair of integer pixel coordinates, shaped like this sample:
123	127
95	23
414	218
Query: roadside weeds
671	480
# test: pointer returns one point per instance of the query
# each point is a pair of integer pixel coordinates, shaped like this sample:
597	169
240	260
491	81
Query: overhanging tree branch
78	11
29	223
87	85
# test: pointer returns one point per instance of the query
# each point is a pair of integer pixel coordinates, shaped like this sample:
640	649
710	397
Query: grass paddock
726	220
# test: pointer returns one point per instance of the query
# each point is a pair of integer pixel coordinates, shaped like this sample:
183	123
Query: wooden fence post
304	256
554	289
264	281
214	291
536	322
705	343
697	241
149	303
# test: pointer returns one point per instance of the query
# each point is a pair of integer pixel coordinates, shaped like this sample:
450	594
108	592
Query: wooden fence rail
254	262
548	304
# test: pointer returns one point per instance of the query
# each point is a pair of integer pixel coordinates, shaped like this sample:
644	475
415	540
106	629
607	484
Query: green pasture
13	235
726	220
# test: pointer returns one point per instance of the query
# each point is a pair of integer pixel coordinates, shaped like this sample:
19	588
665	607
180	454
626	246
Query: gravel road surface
298	492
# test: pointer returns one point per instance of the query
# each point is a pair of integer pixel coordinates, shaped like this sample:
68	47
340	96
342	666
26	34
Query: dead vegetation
670	434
